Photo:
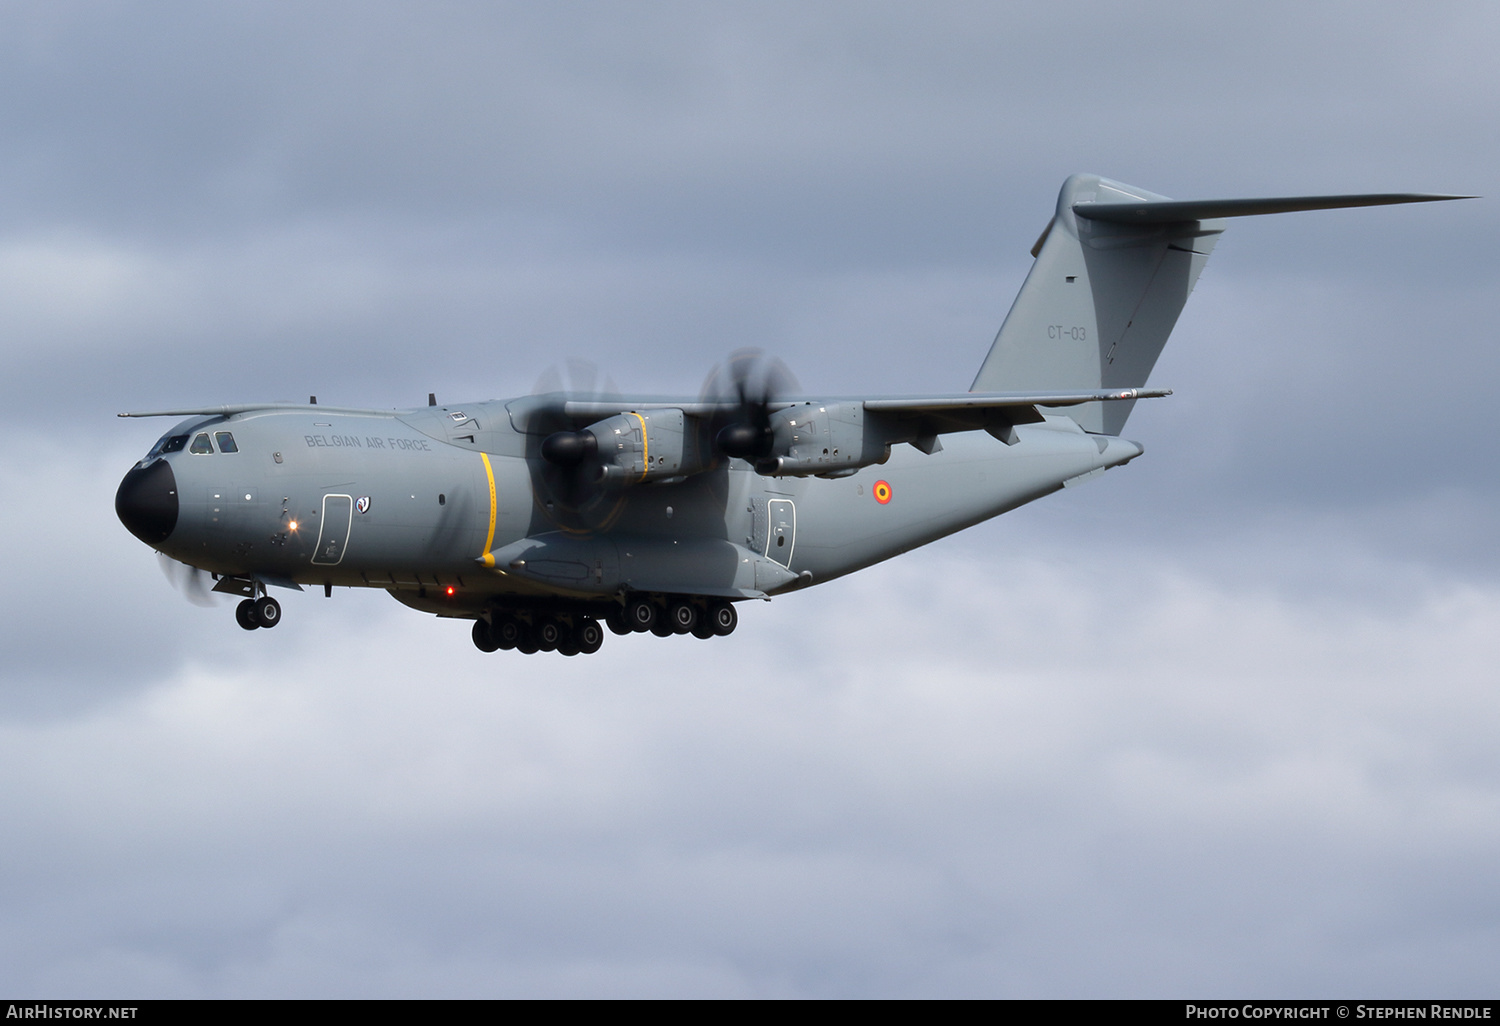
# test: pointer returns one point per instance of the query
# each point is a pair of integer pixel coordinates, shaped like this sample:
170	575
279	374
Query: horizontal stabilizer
1176	212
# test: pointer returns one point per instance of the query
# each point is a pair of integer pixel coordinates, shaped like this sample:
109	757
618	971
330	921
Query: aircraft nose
147	502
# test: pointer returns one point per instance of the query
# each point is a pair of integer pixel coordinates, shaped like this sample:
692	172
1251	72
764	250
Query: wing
886	404
921	419
634	441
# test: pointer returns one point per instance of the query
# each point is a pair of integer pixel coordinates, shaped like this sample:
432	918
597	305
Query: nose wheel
258	612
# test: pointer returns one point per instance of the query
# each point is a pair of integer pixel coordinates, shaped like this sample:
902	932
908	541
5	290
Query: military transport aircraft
540	517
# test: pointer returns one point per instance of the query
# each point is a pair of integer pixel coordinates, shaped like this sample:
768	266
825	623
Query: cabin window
166	444
226	442
201	445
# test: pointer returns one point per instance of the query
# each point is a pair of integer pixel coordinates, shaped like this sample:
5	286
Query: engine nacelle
645	446
830	440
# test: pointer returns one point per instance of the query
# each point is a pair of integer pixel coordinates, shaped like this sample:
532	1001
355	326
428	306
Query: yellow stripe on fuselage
489	539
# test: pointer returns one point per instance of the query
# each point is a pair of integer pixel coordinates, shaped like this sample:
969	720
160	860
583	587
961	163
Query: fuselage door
782	515
333	532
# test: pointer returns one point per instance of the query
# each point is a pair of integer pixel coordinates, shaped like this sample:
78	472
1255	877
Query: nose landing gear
258	612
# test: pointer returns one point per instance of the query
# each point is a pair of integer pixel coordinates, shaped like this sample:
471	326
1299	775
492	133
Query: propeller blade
189	580
753	381
570	472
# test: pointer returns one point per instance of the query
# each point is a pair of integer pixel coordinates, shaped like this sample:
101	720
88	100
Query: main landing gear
258	612
576	633
570	635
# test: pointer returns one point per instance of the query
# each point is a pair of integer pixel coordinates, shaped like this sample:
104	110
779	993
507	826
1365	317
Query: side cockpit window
201	445
226	442
166	444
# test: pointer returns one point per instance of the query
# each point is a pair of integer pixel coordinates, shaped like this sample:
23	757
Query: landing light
292	525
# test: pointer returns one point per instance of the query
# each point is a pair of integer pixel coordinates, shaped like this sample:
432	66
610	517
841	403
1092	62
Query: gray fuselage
423	501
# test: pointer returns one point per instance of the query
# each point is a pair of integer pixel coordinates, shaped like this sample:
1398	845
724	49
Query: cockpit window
166	444
226	442
201	445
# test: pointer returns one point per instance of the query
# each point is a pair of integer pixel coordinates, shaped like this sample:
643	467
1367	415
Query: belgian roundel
882	492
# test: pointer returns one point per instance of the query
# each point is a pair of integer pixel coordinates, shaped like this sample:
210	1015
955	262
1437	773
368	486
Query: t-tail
1113	269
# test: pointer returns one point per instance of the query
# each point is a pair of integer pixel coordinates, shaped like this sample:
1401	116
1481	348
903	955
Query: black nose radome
147	502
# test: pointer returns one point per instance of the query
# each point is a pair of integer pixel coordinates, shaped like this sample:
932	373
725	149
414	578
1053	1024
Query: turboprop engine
829	440
832	440
630	448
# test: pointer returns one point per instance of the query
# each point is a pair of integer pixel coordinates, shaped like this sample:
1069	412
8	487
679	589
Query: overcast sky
1223	722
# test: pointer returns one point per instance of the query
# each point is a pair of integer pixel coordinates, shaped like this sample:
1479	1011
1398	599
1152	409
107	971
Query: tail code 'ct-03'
543	517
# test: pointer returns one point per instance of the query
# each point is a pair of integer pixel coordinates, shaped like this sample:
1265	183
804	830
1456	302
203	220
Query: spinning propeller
753	381
192	582
657	443
570	474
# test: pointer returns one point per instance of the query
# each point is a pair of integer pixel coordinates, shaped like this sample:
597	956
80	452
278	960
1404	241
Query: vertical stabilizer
1099	302
1112	271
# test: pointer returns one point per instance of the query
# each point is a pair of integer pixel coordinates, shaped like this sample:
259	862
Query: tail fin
1113	270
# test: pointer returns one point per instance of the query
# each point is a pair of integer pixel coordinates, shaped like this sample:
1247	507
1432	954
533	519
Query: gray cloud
1018	775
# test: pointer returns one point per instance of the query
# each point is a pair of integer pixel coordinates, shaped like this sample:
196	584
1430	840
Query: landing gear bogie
701	617
258	612
578	629
567	634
